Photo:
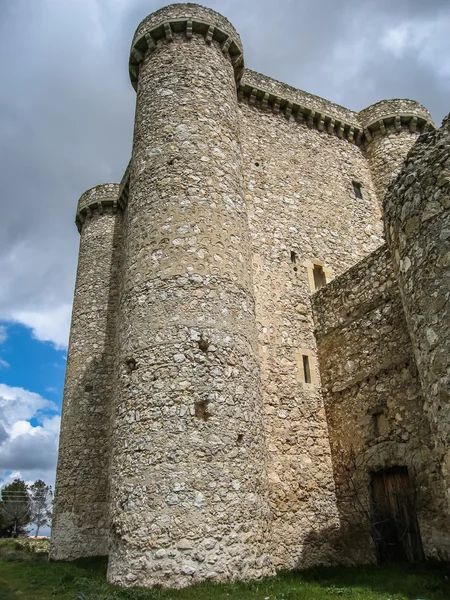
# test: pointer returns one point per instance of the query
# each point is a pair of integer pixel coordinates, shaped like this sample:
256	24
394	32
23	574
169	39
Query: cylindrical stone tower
189	490
417	217
81	523
390	129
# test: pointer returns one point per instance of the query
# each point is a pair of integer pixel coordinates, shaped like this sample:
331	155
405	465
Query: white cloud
48	325
3	334
18	404
27	450
4	364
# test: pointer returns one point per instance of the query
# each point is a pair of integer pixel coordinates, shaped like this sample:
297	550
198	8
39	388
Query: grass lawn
26	575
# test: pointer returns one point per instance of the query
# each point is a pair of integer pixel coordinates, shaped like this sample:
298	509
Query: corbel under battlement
100	206
355	133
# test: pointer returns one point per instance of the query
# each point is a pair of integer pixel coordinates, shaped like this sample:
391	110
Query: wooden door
395	528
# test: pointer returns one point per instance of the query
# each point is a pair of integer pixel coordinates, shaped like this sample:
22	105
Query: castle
224	417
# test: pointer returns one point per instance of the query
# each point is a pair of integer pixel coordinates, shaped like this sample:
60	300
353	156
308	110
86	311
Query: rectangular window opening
319	277
293	257
376	424
306	368
357	190
379	423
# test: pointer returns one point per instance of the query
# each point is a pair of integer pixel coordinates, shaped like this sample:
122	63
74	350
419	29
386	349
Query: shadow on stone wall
81	524
344	545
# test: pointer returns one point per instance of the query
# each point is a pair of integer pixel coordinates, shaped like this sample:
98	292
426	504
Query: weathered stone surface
417	220
374	404
241	197
81	519
193	465
300	200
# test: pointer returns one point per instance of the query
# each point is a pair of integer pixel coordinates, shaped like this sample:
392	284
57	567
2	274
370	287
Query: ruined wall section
391	128
417	215
80	523
302	208
374	403
189	487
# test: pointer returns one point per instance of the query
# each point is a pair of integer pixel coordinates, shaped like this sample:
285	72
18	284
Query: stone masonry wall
386	154
302	208
189	486
418	231
374	403
81	523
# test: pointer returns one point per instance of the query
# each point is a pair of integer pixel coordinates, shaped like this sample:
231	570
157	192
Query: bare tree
41	498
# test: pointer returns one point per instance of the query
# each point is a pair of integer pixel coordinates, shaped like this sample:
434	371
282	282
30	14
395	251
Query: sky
66	123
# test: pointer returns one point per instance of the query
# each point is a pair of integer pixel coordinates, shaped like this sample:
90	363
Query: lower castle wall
374	403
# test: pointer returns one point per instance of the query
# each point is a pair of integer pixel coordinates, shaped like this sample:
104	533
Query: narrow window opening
376	424
306	368
379	423
319	277
357	190
293	257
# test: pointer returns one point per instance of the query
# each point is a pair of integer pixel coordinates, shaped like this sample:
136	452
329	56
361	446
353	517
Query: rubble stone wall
374	403
386	154
302	208
81	522
417	219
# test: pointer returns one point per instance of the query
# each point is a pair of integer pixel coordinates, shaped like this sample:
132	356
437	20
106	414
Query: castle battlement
186	20
221	399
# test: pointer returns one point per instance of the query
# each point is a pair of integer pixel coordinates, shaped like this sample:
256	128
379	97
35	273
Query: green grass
26	575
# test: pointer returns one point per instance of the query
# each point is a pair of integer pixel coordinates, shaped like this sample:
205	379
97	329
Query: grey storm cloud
36	452
66	107
4	436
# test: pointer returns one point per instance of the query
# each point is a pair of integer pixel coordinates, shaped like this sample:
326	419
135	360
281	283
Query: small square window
319	277
357	190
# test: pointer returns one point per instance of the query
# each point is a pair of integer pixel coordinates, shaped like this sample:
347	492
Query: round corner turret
394	115
185	20
390	129
104	195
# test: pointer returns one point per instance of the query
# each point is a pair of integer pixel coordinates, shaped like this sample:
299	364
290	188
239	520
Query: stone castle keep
224	417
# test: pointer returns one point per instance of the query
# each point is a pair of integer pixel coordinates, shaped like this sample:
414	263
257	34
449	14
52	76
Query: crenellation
248	356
